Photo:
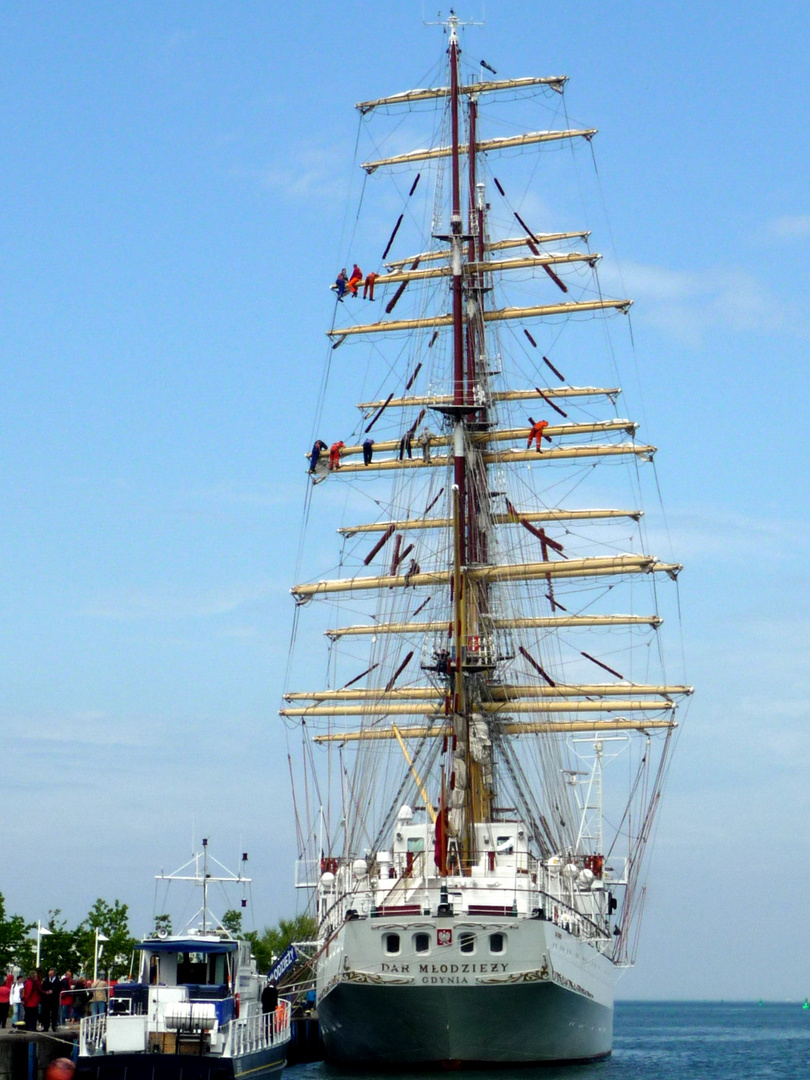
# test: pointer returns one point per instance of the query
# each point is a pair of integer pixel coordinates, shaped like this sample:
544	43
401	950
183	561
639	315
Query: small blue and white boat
194	1010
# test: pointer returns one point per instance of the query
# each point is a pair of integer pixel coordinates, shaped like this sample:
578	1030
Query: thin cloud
172	603
705	533
690	304
788	227
308	171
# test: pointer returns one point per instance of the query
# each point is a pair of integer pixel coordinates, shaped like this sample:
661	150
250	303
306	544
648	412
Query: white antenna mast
203	878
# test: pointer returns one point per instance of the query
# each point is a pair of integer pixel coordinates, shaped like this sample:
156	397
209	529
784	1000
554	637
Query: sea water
675	1040
709	1041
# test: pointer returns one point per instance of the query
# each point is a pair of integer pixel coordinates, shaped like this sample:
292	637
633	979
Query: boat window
421	942
391	943
191	968
216	968
466	942
416	843
497	943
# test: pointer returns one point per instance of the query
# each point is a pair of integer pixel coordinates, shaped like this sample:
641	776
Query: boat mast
205	884
456	242
467	537
204	879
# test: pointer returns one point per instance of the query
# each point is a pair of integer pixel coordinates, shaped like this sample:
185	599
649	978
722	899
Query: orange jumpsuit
334	454
355	279
536	432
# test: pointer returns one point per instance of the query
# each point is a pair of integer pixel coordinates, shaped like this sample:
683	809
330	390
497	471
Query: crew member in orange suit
334	454
536	433
368	285
354	280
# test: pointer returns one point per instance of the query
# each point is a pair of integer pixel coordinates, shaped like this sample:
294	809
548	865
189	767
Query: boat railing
556	910
92	1034
481	651
248	1034
307	873
126	1007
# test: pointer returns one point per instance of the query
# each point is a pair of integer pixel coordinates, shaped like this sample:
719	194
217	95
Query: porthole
391	943
497	943
466	942
421	943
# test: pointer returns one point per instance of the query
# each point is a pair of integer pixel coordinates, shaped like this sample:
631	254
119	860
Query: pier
25	1055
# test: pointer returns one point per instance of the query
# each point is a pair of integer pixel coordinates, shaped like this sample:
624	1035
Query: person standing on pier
80	998
66	998
51	989
5	998
98	1005
31	998
15	999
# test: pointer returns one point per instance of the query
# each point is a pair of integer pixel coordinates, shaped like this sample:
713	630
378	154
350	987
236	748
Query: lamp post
100	939
42	931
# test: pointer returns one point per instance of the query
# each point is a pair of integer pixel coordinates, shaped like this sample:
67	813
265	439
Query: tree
113	922
272	942
15	946
163	923
232	921
58	948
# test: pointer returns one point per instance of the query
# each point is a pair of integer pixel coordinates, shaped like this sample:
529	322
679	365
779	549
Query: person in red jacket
354	280
31	997
66	998
5	997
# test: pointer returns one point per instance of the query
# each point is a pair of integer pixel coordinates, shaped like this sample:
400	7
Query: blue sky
174	201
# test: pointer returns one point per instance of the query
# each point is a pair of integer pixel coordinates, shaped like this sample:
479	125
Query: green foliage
15	947
58	948
272	942
232	921
72	950
163	922
112	921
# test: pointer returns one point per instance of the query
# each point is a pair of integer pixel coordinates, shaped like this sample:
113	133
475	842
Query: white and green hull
548	997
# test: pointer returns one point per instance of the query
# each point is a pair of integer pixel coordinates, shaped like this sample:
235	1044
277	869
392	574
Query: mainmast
472	765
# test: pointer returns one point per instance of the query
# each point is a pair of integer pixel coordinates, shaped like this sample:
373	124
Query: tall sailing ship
480	773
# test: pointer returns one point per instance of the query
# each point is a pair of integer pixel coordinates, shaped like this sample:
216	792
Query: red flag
440	834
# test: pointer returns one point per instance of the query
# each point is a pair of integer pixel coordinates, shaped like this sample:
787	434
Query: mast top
452	22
